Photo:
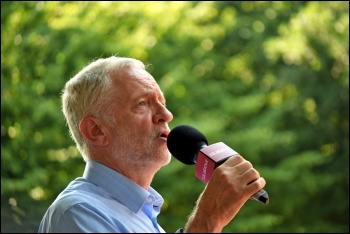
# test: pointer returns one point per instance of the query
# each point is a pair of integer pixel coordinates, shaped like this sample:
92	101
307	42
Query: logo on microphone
211	154
204	172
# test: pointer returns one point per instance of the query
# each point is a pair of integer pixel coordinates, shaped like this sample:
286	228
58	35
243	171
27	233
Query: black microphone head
184	142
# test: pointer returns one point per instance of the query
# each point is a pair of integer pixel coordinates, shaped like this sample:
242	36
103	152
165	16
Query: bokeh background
268	78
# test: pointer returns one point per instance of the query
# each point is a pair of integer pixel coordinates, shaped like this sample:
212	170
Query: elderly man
117	116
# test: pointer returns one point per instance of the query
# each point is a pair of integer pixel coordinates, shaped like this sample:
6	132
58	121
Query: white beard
139	152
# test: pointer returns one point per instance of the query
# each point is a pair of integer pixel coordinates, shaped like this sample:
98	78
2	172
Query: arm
230	186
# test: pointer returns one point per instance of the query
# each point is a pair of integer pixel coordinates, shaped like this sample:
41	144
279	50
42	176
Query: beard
143	151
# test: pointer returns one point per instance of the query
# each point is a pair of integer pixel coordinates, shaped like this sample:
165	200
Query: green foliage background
269	79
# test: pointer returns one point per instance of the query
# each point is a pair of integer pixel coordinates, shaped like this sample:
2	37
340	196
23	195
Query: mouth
164	135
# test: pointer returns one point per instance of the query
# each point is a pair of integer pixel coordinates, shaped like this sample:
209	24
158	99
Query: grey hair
88	94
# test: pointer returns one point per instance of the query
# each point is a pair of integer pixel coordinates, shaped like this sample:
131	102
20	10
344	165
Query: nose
162	115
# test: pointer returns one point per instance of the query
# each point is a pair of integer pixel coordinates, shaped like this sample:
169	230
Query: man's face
142	120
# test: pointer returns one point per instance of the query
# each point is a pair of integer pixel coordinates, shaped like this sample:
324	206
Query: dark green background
269	79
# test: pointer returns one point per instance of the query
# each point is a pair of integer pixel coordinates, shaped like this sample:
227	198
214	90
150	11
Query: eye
142	103
162	101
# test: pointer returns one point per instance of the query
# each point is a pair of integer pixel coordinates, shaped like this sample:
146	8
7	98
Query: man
117	116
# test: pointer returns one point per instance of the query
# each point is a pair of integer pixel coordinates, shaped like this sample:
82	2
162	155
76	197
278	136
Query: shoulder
80	191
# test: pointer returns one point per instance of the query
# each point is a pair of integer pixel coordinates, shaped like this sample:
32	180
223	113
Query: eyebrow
161	97
147	93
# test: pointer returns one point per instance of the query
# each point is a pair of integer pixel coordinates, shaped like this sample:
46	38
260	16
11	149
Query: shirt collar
120	187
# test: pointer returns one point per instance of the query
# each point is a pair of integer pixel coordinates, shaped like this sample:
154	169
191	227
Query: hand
231	185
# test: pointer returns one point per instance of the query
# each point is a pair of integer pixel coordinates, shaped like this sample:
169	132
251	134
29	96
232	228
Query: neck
138	172
141	176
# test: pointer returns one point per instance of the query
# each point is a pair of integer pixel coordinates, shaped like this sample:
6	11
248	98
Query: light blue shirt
103	201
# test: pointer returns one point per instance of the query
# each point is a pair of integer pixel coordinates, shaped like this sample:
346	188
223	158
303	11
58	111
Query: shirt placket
150	212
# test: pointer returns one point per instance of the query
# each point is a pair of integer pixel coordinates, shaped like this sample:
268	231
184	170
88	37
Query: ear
94	131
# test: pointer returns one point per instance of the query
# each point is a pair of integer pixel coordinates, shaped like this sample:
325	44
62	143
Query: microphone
190	146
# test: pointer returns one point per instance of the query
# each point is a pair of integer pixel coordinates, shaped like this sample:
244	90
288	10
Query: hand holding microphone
190	146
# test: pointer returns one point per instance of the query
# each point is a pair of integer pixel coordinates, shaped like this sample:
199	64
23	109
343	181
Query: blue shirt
103	200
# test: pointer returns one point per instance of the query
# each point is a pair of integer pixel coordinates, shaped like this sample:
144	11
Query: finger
234	160
238	164
256	185
243	167
250	175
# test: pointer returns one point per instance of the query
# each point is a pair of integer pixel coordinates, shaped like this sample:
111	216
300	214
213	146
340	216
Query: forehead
133	82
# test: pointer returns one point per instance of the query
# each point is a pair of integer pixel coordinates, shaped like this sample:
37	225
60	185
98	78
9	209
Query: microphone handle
261	196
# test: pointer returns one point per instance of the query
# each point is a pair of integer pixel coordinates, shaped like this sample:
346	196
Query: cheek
141	120
136	124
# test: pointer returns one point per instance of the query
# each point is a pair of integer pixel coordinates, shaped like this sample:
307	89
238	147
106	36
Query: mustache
161	132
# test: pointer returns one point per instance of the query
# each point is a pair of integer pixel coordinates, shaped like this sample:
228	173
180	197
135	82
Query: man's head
115	109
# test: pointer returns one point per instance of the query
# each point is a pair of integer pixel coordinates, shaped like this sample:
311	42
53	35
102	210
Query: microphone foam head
184	142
